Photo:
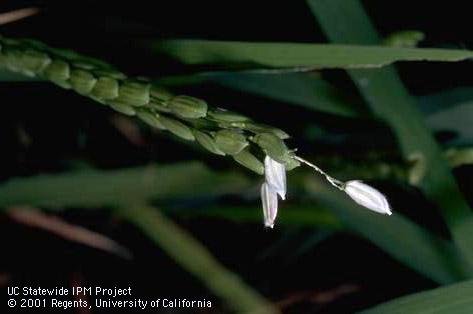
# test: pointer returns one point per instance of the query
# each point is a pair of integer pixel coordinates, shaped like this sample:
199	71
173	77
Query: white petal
269	199
275	174
367	196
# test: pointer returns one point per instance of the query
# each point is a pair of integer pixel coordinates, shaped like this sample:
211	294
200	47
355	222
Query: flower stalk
218	130
336	183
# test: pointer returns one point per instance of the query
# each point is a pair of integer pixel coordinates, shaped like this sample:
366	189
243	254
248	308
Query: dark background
67	129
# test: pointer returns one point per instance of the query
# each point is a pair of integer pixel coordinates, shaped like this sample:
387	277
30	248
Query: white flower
275	176
270	205
367	196
275	183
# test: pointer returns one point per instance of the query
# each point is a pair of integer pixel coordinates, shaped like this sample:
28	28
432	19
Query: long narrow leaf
96	188
198	261
303	89
345	21
283	55
455	298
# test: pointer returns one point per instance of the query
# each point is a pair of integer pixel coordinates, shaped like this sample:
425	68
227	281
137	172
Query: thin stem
336	183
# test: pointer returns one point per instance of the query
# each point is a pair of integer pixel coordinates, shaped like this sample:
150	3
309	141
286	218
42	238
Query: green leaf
455	298
102	188
197	260
310	91
141	185
289	55
304	89
307	90
345	21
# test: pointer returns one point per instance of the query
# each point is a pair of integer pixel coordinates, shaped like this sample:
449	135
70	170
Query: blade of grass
310	91
303	89
307	90
345	21
197	260
104	188
454	298
289	55
99	189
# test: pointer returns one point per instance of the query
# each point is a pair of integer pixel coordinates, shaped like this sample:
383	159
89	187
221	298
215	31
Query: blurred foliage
455	298
385	93
197	260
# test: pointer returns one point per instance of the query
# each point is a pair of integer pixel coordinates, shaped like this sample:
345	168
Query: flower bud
269	199
262	128
134	93
82	81
367	196
58	72
105	88
273	146
12	59
188	107
230	142
151	118
158	105
122	108
248	160
223	115
177	128
101	71
207	142
160	94
33	62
